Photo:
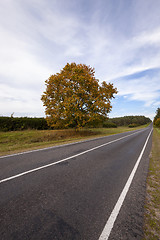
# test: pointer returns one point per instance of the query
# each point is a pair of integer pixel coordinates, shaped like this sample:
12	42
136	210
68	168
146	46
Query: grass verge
152	207
19	141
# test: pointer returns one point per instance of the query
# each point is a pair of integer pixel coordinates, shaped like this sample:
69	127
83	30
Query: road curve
69	192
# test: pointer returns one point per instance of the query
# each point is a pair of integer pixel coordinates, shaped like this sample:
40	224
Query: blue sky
119	38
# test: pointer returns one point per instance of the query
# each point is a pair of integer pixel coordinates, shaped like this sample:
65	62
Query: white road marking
58	146
65	159
110	223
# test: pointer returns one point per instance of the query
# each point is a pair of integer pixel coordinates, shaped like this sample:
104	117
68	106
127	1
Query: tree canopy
128	120
157	115
74	97
156	120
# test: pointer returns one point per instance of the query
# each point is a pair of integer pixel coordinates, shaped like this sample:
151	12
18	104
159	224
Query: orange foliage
74	98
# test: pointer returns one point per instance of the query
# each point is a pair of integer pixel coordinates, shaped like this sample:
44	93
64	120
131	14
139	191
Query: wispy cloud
39	37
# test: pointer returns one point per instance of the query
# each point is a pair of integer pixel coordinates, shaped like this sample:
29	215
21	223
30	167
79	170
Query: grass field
152	207
18	141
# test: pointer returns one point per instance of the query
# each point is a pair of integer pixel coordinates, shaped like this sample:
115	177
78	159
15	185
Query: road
69	192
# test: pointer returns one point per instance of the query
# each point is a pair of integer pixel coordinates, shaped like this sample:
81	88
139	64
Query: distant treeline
131	121
22	123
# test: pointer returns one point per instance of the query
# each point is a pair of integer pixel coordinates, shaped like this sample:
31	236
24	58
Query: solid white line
110	223
65	159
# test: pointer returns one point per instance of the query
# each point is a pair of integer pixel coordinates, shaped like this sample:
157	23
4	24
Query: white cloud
39	37
156	103
145	89
132	55
19	101
149	38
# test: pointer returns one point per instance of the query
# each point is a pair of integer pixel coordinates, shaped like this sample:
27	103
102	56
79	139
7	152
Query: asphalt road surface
77	191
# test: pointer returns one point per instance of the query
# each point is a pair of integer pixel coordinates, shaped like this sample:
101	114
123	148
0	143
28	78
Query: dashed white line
57	146
63	160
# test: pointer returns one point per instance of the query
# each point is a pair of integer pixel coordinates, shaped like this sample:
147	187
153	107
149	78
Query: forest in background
23	123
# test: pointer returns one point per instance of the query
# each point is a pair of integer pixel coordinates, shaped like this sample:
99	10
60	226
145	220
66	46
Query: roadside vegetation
18	141
22	123
131	121
152	206
25	123
157	118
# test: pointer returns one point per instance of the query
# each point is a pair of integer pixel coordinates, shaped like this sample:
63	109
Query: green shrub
157	123
108	124
22	123
133	125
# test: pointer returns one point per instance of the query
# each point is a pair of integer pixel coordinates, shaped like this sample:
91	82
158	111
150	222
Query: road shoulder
152	206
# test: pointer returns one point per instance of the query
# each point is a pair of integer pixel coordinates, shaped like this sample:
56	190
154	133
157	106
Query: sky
119	38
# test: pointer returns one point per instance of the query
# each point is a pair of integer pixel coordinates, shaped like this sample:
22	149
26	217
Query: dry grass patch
18	141
152	207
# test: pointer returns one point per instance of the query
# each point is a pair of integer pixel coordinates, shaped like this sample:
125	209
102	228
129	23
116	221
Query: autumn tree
74	97
157	115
